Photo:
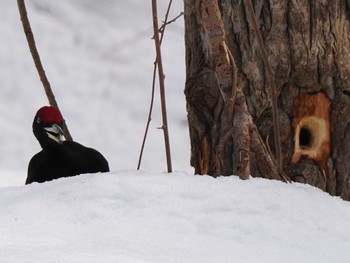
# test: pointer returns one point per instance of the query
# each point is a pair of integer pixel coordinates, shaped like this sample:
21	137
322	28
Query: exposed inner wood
311	129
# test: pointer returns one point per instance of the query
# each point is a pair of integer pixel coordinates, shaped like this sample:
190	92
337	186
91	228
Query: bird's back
67	159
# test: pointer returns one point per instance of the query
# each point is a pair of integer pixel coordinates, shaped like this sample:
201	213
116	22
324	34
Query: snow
98	56
129	216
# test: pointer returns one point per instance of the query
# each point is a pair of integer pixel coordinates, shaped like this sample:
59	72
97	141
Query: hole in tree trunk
305	138
312	129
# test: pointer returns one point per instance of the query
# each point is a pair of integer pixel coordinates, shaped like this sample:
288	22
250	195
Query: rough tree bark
228	99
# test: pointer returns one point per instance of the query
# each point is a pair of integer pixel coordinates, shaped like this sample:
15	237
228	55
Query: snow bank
133	216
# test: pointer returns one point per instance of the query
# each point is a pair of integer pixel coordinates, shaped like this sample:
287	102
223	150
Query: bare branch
149	116
158	64
165	23
161	77
271	80
36	58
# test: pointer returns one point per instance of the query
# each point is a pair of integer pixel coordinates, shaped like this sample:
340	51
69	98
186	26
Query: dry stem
36	58
271	80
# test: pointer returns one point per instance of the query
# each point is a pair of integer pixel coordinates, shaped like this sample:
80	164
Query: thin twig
161	78
273	90
153	91
283	175
234	84
36	58
165	23
158	64
149	117
229	102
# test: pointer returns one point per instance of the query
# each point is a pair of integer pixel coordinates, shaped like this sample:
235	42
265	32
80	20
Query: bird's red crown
49	114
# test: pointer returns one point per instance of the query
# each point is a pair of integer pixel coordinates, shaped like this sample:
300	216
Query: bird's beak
55	133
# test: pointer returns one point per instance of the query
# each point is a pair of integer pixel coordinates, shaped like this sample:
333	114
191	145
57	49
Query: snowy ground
99	59
129	216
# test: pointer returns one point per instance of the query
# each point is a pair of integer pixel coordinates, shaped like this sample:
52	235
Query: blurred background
98	56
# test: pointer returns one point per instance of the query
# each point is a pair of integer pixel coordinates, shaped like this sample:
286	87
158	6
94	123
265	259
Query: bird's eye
38	120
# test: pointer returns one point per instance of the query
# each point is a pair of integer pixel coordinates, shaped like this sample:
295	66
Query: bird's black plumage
59	158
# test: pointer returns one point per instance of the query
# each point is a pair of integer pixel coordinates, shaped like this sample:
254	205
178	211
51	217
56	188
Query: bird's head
48	126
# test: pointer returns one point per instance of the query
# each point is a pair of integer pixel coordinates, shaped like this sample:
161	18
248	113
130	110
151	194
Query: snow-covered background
99	56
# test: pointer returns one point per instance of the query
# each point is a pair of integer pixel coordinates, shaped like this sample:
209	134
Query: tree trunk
228	98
